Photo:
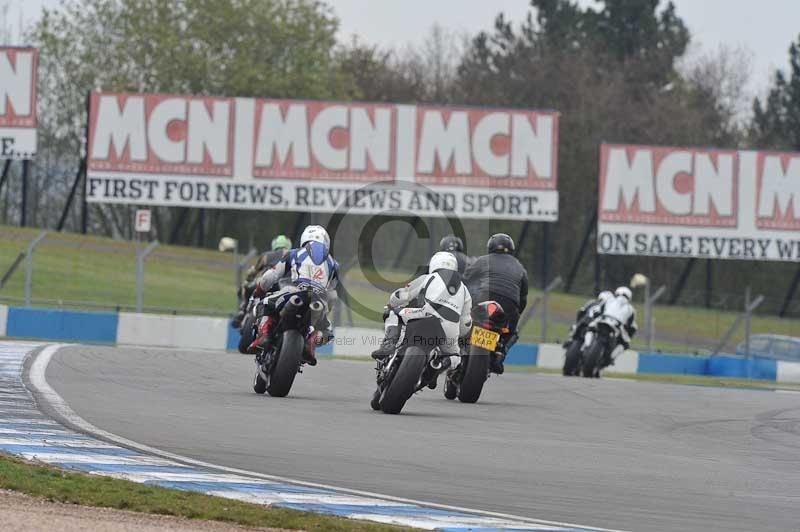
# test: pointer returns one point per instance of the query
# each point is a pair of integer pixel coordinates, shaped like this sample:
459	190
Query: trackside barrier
192	332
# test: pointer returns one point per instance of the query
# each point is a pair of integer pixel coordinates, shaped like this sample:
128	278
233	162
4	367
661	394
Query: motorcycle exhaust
295	301
316	306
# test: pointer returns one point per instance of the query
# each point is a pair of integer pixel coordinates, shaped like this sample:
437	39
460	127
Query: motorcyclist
441	293
499	276
279	246
309	267
588	312
454	245
620	309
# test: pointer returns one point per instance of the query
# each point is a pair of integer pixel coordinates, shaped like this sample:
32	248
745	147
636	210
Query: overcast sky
765	28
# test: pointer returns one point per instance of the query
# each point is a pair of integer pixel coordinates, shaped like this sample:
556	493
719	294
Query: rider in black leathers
500	277
455	245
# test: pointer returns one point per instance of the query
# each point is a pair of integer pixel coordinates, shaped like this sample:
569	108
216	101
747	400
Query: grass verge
54	484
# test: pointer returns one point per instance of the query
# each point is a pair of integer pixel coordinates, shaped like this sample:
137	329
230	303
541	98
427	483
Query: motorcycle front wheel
572	360
591	360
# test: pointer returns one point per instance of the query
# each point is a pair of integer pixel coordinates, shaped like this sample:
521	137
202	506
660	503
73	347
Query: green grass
70	267
53	484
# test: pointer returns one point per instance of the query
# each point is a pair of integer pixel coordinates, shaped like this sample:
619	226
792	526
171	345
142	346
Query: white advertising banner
697	202
315	156
18	102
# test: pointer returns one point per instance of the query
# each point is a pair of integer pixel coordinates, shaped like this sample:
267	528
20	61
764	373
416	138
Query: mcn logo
669	186
778	191
292	139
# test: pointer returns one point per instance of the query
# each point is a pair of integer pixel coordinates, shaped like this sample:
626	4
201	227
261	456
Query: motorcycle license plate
484	338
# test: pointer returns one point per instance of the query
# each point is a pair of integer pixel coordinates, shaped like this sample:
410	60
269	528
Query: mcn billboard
321	156
18	102
697	202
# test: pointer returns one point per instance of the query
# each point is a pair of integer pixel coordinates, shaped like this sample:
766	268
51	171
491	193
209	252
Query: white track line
39	382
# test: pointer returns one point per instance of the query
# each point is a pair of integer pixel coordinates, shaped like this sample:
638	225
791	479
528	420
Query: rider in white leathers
439	293
620	310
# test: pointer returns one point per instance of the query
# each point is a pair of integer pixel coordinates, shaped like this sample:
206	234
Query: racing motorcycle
604	337
487	339
415	364
282	360
573	359
248	329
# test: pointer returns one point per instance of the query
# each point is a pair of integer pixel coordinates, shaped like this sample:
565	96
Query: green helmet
281	241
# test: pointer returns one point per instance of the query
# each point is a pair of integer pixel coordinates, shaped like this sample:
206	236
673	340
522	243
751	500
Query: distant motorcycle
277	366
573	358
490	324
604	337
415	363
248	329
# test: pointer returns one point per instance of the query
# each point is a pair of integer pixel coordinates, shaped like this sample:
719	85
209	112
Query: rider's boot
388	344
310	349
263	341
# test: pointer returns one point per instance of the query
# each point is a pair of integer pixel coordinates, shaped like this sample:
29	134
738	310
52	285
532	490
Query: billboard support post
23	212
709	282
6	171
140	256
790	293
78	176
545	255
687	270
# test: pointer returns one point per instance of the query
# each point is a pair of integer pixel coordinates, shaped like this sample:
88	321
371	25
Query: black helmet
500	243
451	243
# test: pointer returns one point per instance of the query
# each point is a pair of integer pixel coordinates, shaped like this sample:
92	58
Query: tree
257	48
776	121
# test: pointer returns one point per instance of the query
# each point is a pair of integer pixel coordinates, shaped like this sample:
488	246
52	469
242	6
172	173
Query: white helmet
624	291
605	295
443	260
315	233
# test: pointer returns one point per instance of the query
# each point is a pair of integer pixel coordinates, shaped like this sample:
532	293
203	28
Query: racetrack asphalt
628	455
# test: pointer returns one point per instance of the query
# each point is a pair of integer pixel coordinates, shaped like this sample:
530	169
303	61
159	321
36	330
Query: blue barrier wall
674	364
100	327
742	368
523	355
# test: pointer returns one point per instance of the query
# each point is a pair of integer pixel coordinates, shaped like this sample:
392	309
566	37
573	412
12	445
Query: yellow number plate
484	338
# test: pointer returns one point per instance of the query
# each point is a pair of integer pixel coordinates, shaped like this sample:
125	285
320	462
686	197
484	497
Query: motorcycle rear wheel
475	374
285	370
405	381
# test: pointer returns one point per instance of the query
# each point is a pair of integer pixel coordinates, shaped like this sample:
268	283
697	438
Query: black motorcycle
282	360
605	337
488	339
248	328
415	364
573	358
